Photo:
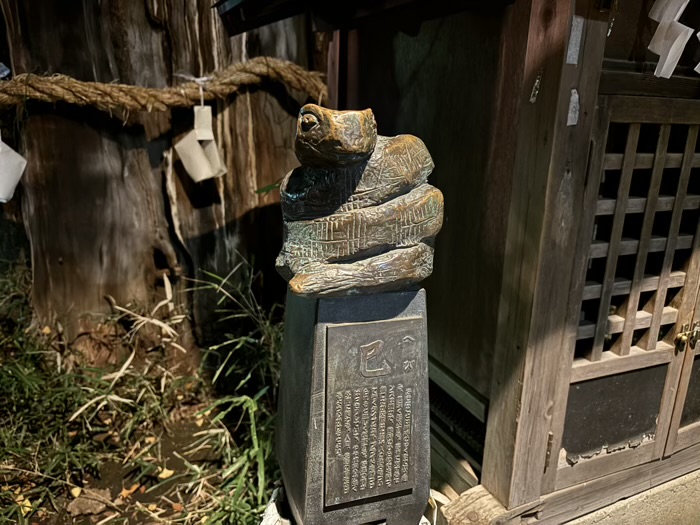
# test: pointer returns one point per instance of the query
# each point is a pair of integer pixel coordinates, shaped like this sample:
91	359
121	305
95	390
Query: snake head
326	137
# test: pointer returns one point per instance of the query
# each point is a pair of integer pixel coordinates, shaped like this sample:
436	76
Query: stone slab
353	434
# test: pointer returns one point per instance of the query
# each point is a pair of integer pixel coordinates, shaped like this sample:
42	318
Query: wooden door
685	423
635	286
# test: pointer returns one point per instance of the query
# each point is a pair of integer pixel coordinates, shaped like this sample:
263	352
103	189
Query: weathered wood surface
477	506
564	505
436	80
104	212
688	304
554	135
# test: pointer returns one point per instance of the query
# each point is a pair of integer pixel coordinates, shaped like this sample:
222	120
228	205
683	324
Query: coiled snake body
359	216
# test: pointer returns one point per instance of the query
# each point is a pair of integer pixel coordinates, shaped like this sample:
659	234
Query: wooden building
563	366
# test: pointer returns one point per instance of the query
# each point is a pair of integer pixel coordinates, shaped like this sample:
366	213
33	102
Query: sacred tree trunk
107	210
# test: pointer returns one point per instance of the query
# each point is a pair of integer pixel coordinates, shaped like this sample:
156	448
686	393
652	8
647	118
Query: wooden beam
565	505
611	363
554	128
477	506
458	390
640	84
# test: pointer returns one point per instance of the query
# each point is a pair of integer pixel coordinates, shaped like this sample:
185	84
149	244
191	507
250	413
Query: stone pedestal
353	421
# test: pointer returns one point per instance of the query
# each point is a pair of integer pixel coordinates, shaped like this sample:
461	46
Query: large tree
106	211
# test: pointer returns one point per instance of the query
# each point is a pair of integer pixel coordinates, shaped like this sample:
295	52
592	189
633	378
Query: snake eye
308	122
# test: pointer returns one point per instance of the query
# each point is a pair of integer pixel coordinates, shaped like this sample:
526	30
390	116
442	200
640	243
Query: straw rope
109	97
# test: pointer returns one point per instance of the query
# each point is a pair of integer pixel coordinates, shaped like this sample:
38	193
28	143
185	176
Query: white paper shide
12	166
670	37
198	150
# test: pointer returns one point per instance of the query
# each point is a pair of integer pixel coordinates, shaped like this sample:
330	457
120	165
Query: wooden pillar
557	99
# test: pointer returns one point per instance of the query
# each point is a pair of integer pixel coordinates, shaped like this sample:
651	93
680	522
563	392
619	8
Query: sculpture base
277	512
353	438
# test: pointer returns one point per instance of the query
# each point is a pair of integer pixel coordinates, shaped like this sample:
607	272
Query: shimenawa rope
110	97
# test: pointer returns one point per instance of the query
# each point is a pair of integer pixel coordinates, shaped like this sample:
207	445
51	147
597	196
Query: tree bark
107	213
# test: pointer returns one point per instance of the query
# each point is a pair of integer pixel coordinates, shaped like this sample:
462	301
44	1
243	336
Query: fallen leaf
177	507
142	490
46	330
152	507
199	422
91	501
166	473
151	440
25	507
125	493
75	492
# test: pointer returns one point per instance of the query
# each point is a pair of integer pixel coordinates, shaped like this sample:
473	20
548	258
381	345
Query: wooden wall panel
438	82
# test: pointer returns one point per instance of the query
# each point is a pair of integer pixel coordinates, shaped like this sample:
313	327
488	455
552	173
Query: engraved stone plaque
369	409
353	436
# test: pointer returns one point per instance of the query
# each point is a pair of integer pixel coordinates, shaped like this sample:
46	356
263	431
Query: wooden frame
624	356
477	505
680	438
549	174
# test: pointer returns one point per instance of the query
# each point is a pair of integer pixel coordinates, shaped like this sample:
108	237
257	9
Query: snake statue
359	215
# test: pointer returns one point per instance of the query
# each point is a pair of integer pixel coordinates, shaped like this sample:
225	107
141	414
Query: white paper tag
202	160
12	166
203	123
669	41
667	10
574	109
193	157
574	48
213	154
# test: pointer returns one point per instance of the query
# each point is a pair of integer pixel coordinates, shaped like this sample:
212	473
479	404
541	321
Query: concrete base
674	503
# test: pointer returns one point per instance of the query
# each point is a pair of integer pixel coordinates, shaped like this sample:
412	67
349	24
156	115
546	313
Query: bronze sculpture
353	435
359	216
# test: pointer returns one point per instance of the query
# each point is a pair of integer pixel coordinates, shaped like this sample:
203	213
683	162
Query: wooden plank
657	110
613	161
614	244
441	485
640	84
629	246
638	204
622	346
611	363
688	436
622	286
564	505
548	174
604	464
583	239
456	448
459	472
443	463
688	304
615	323
478	506
668	399
458	390
656	305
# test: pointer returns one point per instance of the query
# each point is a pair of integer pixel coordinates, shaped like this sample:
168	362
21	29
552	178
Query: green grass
59	427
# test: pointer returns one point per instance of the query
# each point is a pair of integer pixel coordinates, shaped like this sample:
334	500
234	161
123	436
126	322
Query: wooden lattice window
645	223
630	387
